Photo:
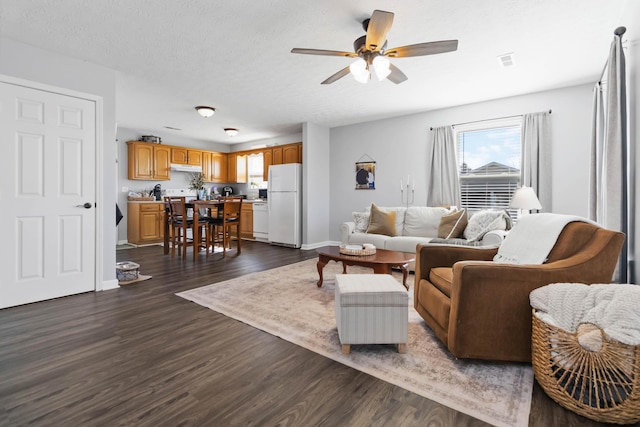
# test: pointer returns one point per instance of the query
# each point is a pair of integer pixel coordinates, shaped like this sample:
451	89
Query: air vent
507	60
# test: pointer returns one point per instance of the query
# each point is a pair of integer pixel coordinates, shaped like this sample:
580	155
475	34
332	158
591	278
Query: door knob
86	206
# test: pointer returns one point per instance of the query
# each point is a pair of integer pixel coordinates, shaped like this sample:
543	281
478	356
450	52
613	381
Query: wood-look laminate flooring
141	356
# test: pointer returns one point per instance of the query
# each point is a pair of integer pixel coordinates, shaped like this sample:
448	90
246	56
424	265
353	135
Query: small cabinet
186	156
218	171
206	166
267	160
145	223
290	153
246	221
148	161
277	156
237	167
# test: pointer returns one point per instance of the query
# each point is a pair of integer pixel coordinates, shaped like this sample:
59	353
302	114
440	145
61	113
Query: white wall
315	194
40	66
398	147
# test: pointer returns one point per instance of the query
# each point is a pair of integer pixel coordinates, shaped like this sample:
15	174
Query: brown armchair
480	309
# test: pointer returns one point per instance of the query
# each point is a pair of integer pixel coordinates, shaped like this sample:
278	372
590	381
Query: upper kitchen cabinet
290	153
218	171
237	167
148	161
186	156
267	160
214	166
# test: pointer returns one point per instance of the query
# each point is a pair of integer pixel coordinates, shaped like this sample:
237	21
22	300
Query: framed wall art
365	175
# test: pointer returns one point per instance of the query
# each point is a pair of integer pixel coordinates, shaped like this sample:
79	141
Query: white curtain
609	175
535	158
443	182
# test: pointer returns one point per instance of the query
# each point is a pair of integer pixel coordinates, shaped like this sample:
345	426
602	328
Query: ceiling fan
371	52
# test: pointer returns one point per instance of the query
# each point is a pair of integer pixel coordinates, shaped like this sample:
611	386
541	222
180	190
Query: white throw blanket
533	237
613	308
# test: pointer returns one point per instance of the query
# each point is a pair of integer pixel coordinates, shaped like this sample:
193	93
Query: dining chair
219	228
179	223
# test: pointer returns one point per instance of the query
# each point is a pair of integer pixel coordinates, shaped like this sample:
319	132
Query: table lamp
525	199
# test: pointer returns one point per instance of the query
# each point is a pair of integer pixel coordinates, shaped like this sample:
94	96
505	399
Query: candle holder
410	196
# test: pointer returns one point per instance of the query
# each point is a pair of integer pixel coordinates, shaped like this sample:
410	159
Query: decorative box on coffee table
371	309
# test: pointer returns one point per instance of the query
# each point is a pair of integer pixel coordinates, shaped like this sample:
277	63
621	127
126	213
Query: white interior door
47	194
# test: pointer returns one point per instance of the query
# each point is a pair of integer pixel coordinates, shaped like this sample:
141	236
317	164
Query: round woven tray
601	385
357	252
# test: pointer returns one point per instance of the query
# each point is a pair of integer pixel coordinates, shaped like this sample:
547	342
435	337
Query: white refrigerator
285	204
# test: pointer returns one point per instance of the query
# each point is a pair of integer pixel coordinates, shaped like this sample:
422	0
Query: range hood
185	168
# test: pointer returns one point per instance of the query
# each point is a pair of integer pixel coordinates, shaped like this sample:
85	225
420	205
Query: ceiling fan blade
396	75
421	49
340	74
323	52
379	26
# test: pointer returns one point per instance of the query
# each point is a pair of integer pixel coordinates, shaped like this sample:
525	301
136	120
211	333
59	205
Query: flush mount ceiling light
231	131
205	111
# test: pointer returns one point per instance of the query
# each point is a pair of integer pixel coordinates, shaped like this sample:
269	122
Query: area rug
286	302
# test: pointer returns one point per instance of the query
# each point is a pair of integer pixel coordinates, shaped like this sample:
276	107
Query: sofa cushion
377	240
405	243
399	210
422	221
382	222
452	225
484	221
361	220
441	278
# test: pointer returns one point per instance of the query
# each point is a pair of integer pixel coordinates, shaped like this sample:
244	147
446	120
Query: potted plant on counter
197	183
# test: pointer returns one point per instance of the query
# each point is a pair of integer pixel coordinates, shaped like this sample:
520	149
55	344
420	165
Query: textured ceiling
235	56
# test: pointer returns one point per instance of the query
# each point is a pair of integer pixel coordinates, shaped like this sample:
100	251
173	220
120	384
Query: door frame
99	138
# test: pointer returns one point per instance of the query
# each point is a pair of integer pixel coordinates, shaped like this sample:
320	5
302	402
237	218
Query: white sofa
419	224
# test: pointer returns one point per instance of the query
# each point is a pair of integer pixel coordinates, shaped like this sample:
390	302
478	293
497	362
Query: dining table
196	205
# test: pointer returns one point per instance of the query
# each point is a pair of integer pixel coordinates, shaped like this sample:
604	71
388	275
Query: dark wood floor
141	356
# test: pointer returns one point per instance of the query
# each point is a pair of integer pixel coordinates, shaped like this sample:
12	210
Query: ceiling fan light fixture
231	131
359	70
205	111
381	66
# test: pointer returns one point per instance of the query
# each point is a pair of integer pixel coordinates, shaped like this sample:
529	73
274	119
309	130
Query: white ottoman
371	309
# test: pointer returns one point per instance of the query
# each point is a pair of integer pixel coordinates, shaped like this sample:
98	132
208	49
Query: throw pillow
453	225
361	219
484	221
381	222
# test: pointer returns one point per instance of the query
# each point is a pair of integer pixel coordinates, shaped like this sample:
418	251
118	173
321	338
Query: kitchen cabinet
267	160
246	221
186	156
145	222
277	155
148	161
237	168
290	153
214	166
218	171
206	166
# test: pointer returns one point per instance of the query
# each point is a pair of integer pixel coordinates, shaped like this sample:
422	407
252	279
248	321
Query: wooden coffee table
382	261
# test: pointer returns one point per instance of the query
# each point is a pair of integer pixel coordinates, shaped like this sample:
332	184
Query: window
255	167
489	162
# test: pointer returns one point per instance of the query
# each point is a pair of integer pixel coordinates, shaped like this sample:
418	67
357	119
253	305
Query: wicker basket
344	249
601	384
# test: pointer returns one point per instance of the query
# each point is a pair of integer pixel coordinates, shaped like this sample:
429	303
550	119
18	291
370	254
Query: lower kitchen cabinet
246	221
145	222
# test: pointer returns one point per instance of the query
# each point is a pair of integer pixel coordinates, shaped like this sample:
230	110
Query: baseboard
308	246
109	284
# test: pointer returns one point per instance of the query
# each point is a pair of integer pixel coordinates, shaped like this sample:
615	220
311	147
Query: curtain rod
486	120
